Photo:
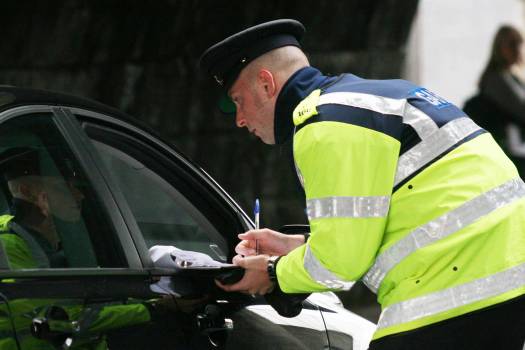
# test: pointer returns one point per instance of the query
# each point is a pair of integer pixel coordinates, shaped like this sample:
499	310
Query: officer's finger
248	235
245	251
241	286
245	248
253	234
239	261
228	287
257	262
246	244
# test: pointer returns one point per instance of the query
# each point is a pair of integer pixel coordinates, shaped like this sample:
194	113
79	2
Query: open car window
50	215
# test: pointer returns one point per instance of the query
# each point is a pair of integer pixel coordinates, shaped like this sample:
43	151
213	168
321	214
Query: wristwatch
272	267
306	236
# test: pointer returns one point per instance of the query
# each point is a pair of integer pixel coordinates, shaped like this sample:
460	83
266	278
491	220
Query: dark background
141	57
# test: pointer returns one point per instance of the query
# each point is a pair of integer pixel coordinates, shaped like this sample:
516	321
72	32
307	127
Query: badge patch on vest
306	108
430	97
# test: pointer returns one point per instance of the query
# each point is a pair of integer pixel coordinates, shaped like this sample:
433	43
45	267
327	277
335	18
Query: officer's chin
267	140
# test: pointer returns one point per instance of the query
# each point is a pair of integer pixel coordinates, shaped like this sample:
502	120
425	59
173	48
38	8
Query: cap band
247	55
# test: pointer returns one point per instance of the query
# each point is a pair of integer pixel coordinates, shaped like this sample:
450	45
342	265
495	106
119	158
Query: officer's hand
255	280
270	242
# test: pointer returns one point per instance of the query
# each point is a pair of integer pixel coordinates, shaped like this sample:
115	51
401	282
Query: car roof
13	96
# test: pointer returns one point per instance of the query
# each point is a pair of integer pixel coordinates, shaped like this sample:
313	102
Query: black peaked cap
19	161
225	60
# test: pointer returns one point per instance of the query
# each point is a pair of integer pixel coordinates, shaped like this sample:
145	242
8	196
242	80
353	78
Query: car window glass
50	216
164	215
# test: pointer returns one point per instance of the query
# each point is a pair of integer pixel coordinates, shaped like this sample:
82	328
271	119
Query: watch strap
272	267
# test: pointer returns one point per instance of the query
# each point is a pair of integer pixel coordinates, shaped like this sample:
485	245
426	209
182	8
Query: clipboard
194	272
226	274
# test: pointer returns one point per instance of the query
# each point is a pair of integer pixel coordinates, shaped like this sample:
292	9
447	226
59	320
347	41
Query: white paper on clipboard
173	257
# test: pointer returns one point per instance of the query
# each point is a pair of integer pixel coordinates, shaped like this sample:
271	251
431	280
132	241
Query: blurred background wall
141	57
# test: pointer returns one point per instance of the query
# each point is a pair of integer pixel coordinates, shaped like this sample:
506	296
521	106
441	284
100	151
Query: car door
166	200
69	267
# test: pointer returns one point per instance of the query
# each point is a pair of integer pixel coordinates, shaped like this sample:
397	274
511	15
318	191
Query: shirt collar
26	213
296	88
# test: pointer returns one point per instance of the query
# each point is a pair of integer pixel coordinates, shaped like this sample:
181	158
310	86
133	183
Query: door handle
212	320
53	324
213	324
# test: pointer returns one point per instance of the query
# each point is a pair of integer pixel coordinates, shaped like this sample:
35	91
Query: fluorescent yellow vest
108	317
448	241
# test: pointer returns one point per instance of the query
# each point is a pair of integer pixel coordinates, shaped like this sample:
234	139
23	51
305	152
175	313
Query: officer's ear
268	83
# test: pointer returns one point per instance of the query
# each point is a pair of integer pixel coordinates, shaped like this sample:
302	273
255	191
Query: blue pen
256	212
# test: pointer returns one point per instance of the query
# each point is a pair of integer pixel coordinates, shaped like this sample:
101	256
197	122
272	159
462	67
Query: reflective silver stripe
299	174
322	275
435	140
422	123
37	252
432	146
442	227
419	121
453	297
355	207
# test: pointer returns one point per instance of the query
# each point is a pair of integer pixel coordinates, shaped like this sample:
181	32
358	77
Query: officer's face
254	108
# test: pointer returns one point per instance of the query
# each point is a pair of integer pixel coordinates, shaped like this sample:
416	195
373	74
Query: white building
450	43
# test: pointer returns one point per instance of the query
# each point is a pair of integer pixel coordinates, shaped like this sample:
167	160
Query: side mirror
295	229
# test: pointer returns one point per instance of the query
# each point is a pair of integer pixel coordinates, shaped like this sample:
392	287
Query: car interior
86	242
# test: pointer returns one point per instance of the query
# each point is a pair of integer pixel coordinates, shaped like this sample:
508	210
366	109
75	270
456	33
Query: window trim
87	157
87	284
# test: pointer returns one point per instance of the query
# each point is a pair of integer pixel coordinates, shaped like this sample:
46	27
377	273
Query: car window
50	216
163	206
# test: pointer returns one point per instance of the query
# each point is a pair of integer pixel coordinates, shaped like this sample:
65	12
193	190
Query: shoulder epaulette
307	108
4	223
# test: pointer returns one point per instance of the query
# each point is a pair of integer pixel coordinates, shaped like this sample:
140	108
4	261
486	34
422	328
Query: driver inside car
37	200
31	240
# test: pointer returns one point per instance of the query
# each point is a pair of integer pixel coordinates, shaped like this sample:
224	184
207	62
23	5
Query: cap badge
219	80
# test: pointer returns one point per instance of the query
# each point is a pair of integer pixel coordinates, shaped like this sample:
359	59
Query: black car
85	192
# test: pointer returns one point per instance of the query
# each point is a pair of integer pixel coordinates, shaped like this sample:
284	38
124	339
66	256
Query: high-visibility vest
407	193
94	319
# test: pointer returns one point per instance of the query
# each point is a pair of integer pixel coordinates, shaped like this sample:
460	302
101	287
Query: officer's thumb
239	261
250	235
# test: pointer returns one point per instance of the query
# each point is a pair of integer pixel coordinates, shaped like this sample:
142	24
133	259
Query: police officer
403	191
